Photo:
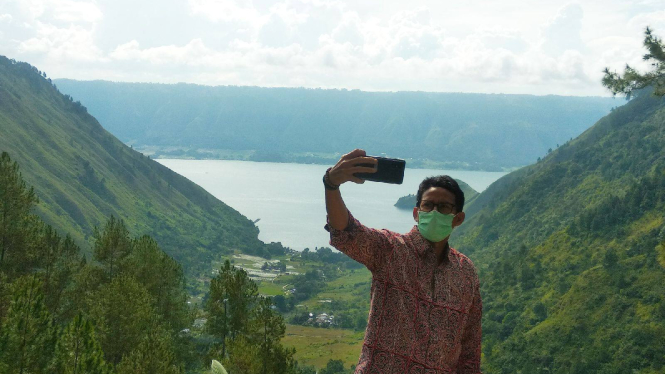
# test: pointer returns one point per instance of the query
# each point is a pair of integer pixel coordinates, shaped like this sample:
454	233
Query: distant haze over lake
288	199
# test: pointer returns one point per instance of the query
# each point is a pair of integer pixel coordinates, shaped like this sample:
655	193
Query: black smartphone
389	170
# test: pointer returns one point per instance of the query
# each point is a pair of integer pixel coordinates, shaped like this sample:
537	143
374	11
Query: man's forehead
438	195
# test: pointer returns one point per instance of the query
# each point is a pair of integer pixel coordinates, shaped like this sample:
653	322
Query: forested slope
469	131
83	174
571	252
123	310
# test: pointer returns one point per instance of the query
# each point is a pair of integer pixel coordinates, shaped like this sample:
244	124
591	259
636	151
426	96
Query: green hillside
83	174
571	252
442	130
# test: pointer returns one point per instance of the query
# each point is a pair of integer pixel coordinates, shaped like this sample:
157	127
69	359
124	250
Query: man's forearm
344	171
338	215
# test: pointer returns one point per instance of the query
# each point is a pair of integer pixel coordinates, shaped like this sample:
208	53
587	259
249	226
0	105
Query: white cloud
413	35
240	55
290	14
617	51
127	51
57	31
349	30
656	20
276	32
193	53
302	22
563	33
74	11
571	67
73	44
505	39
515	47
68	11
226	11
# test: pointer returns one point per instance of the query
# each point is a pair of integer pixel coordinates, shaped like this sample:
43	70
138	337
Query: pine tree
632	80
59	259
243	294
5	296
333	367
50	246
163	278
283	361
27	337
242	357
230	317
154	354
78	351
217	305
112	245
87	279
250	326
123	313
17	224
268	329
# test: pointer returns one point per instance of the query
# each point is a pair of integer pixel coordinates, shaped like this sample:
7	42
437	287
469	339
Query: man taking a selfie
425	308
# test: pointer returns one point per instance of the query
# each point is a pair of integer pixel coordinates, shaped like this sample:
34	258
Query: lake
288	199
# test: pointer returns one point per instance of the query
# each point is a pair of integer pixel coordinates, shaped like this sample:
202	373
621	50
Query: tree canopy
632	80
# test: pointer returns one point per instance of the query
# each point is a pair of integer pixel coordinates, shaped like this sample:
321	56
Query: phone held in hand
389	170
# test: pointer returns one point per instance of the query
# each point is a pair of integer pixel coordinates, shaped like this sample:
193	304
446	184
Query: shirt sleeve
469	360
368	246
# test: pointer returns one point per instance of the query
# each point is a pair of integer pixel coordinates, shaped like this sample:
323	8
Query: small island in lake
409	201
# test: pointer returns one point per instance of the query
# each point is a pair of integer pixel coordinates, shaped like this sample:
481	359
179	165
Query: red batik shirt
424	316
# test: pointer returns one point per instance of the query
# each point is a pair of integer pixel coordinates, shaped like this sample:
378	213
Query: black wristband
326	182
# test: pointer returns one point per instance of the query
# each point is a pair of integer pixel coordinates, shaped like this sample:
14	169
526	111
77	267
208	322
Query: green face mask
435	226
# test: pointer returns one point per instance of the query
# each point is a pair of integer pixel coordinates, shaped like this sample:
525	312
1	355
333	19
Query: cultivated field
315	346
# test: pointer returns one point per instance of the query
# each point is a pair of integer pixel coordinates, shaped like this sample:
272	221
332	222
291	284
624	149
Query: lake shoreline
300	158
286	200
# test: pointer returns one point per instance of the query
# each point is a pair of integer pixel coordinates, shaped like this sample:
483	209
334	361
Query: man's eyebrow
447	202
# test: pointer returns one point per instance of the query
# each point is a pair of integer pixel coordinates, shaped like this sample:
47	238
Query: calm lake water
289	198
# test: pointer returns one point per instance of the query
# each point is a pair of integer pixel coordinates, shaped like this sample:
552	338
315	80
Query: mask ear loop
451	224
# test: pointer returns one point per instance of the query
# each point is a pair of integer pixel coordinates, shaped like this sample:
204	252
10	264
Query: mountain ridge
83	174
455	130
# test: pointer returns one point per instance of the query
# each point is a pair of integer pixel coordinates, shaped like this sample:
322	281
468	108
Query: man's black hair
445	182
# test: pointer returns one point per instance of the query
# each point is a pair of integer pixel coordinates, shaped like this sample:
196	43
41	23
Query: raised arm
363	244
342	172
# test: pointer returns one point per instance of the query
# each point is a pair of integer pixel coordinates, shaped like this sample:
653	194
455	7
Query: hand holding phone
350	164
389	170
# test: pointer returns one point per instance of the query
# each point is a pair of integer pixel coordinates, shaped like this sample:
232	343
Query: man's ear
415	214
459	218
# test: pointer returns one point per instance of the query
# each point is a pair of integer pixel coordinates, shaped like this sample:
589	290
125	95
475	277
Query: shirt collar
421	244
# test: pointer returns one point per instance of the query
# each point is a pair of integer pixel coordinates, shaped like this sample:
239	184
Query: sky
510	46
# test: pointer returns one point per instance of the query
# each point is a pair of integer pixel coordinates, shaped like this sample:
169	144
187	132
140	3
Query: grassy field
342	288
269	288
315	346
